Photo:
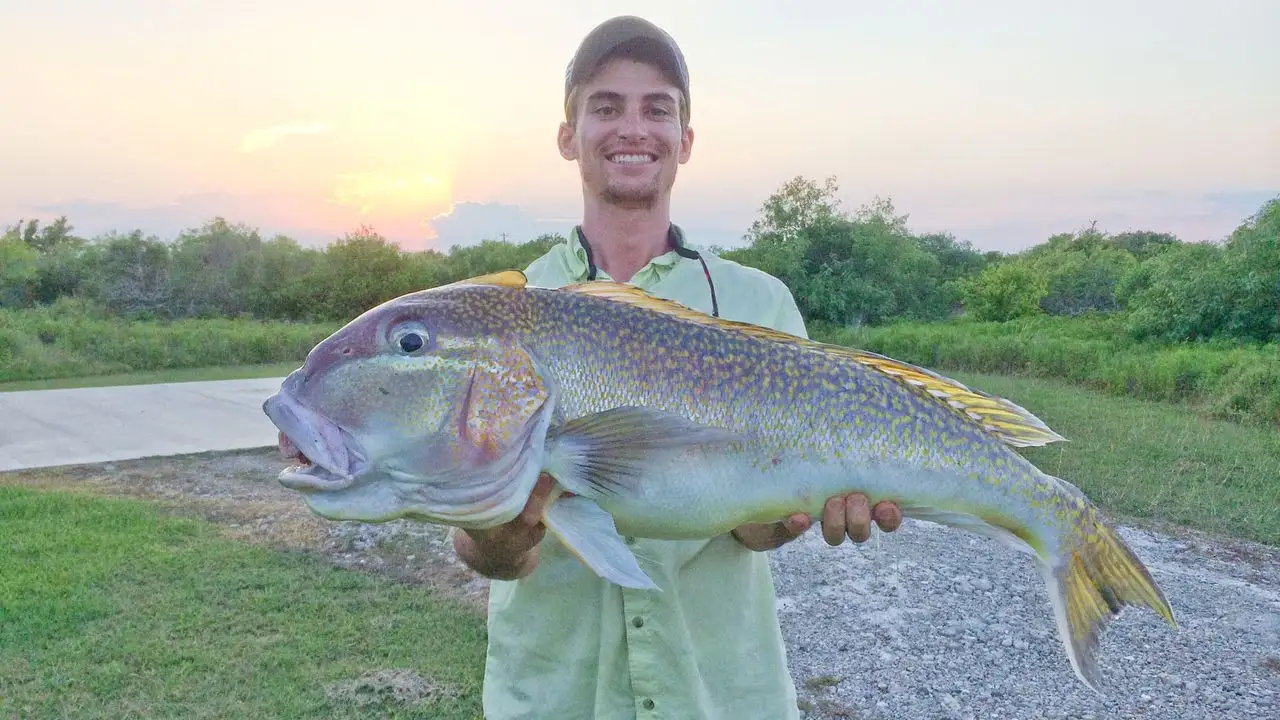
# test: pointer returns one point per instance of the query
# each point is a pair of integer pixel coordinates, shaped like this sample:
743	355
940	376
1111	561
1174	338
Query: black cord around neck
673	240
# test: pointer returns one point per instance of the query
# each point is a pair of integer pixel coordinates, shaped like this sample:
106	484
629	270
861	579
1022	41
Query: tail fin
1090	586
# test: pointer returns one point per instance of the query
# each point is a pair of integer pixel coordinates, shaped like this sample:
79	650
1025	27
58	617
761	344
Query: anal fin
589	533
1004	531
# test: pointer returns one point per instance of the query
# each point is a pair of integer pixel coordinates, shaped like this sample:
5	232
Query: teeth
631	159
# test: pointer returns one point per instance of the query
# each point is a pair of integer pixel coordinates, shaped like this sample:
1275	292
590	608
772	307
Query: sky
1001	122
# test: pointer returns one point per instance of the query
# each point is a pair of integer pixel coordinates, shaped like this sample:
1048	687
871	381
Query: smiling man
564	643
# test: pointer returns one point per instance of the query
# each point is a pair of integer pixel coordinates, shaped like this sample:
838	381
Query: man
564	643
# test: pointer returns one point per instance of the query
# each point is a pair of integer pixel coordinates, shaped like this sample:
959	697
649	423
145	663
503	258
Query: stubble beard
626	197
631	199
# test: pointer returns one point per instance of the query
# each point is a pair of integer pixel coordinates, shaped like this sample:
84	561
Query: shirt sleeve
788	317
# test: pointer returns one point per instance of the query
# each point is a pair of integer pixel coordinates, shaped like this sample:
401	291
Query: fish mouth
306	476
328	458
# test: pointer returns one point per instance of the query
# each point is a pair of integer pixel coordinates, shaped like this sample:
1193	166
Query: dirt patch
386	687
238	492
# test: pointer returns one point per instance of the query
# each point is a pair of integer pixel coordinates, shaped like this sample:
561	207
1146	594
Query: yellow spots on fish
1007	421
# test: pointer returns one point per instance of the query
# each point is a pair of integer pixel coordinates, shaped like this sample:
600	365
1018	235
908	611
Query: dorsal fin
1010	422
502	278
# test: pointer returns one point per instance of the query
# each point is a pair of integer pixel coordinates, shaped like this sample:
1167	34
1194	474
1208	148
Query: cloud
1239	203
167	220
466	223
1191	216
263	138
469	223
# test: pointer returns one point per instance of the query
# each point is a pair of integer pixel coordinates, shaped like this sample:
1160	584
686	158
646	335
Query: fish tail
1090	584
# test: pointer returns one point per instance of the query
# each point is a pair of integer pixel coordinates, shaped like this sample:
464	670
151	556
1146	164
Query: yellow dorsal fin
1012	423
502	278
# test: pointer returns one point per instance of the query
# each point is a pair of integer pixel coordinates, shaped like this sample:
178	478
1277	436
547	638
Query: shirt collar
655	269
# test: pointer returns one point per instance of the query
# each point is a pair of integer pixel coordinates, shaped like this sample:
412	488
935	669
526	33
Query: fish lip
332	456
313	478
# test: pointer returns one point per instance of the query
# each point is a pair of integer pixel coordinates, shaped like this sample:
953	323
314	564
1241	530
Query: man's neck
623	240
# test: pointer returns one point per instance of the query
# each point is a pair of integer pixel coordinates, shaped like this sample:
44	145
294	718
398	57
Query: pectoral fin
589	533
607	453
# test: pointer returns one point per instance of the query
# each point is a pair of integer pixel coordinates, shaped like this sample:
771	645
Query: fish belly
700	493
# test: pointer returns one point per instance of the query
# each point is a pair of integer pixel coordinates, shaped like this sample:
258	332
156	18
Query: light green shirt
564	643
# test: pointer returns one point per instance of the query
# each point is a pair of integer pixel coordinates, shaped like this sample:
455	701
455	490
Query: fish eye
411	339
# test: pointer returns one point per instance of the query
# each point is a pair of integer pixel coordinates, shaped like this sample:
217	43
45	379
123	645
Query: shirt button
637	621
648	704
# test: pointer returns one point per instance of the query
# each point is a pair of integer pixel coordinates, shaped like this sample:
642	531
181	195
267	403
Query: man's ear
564	138
686	145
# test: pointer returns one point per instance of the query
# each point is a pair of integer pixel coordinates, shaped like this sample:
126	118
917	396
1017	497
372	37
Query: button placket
641	656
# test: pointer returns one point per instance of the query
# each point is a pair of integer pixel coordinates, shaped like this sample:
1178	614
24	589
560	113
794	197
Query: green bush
72	338
1227	380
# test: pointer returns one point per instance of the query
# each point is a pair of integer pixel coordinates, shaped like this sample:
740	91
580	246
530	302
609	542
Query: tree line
864	268
867	269
225	269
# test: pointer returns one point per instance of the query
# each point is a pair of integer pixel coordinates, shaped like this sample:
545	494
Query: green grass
235	372
1223	379
1150	459
109	609
71	339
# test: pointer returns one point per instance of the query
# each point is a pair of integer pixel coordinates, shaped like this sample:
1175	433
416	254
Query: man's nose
633	125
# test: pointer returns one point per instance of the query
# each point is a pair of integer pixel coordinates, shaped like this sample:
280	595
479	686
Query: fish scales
812	407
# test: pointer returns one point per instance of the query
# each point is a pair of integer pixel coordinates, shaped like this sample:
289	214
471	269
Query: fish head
425	407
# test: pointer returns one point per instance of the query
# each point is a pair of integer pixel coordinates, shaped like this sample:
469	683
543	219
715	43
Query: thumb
797	523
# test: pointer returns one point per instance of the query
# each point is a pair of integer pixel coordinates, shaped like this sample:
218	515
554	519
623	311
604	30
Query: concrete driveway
43	428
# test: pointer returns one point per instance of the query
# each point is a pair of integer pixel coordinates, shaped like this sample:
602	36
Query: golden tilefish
658	421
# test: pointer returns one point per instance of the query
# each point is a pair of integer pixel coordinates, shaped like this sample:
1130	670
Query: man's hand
510	551
842	516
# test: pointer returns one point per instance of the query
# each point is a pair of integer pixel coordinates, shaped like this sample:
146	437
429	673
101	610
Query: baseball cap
639	38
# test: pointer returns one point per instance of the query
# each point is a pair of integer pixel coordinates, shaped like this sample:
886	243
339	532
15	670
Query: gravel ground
930	622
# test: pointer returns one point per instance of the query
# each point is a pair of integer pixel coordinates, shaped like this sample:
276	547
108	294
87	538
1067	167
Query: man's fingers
857	517
532	513
851	515
833	520
796	524
887	516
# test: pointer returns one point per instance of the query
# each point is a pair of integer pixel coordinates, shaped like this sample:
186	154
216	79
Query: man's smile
631	158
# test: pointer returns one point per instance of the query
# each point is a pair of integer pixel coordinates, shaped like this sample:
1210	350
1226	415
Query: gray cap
637	38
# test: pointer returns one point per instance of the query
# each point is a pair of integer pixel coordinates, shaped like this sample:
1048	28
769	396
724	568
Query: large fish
659	421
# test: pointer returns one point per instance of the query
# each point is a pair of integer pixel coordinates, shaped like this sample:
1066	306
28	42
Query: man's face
627	136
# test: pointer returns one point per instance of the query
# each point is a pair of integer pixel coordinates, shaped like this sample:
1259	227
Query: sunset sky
434	122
